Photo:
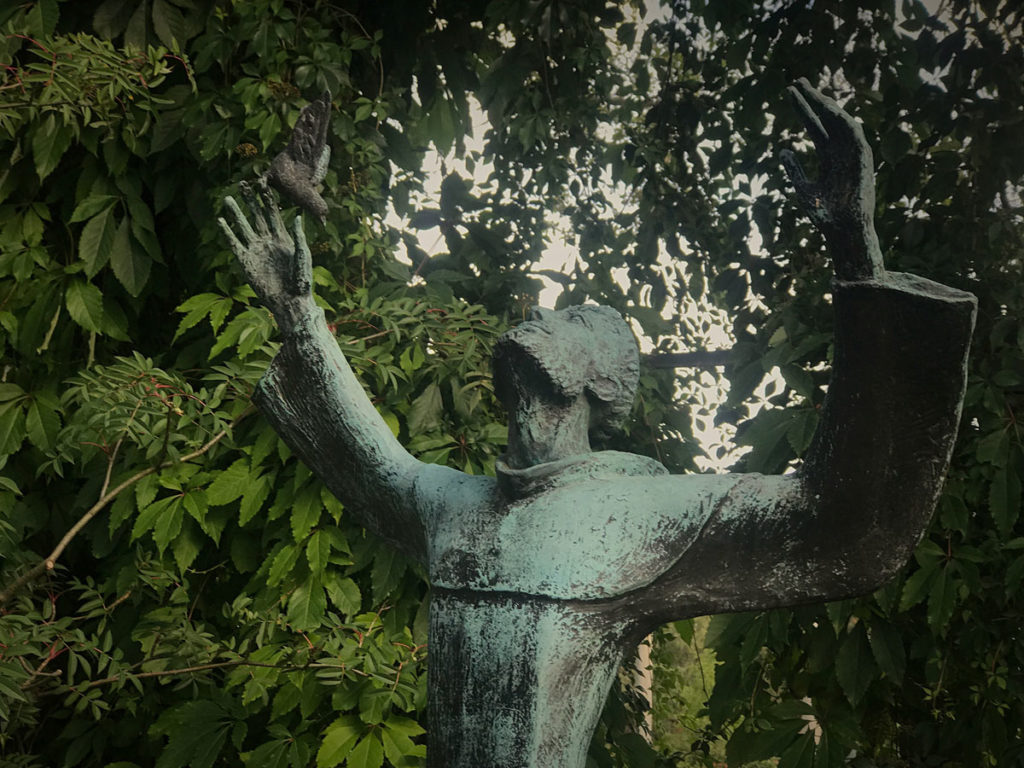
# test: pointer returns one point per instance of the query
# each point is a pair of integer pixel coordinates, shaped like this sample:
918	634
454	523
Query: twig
704	358
51	560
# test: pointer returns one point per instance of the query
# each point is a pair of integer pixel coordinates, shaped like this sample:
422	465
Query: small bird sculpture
297	170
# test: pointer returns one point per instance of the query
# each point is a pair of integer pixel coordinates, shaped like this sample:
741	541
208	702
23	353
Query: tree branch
51	560
702	358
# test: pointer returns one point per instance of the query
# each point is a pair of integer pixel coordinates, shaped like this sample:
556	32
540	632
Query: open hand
841	202
277	263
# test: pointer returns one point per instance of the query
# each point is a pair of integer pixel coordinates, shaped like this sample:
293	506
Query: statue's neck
540	431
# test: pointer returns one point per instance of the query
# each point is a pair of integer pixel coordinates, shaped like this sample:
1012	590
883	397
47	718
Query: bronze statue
544	576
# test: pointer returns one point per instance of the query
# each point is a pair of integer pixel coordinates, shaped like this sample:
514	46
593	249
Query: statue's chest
586	541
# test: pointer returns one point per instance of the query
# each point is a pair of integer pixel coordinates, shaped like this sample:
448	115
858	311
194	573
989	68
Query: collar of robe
519	483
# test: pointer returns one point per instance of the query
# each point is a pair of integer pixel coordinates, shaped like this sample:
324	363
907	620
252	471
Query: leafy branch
106	497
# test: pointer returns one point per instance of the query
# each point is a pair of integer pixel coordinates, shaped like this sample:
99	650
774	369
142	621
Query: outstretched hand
841	202
277	263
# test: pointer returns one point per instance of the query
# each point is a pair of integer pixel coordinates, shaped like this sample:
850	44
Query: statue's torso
590	528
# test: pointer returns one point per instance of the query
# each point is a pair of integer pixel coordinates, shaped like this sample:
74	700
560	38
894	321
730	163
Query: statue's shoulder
586	528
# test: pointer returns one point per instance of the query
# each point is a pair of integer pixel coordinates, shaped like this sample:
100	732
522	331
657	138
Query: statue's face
548	354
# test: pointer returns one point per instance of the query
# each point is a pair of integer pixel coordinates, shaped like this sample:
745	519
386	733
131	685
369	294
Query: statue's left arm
853	514
310	395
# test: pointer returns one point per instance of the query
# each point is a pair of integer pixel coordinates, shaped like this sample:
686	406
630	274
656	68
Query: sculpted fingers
244	228
277	226
256	208
835	123
304	262
807	114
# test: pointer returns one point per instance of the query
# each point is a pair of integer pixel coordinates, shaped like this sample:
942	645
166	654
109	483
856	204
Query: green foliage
206	602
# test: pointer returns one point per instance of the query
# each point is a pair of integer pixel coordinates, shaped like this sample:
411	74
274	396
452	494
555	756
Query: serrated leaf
85	305
282	564
196	308
344	593
168	524
855	668
186	547
307	604
96	240
49	142
91	206
255	495
149	516
368	753
425	411
168	23
229	484
388	569
916	587
131	264
318	550
887	647
337	743
42	425
306	511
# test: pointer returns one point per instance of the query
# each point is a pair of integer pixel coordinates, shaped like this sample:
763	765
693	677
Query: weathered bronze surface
543	577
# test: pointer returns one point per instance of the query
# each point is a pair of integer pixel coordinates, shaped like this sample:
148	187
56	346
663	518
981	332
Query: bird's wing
309	138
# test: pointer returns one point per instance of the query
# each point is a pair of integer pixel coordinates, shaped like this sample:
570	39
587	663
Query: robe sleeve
318	407
850	518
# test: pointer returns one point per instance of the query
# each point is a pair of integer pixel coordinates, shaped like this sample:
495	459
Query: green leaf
149	516
131	265
887	647
318	550
283	563
229	484
800	753
85	305
343	593
306	511
186	546
307	604
49	142
337	743
12	429
96	241
425	411
168	523
92	206
368	753
396	738
941	599
255	495
388	569
42	425
855	668
168	23
916	587
1004	500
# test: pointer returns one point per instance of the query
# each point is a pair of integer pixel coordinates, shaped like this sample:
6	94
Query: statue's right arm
310	395
851	516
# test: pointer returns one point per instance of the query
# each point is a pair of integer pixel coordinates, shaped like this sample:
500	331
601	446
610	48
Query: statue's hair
614	372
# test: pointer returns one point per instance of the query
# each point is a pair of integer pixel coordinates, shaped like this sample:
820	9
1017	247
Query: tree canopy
178	590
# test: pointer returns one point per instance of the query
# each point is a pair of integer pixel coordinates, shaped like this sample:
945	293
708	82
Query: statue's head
563	355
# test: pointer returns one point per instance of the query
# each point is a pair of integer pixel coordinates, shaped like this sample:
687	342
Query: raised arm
872	476
309	394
